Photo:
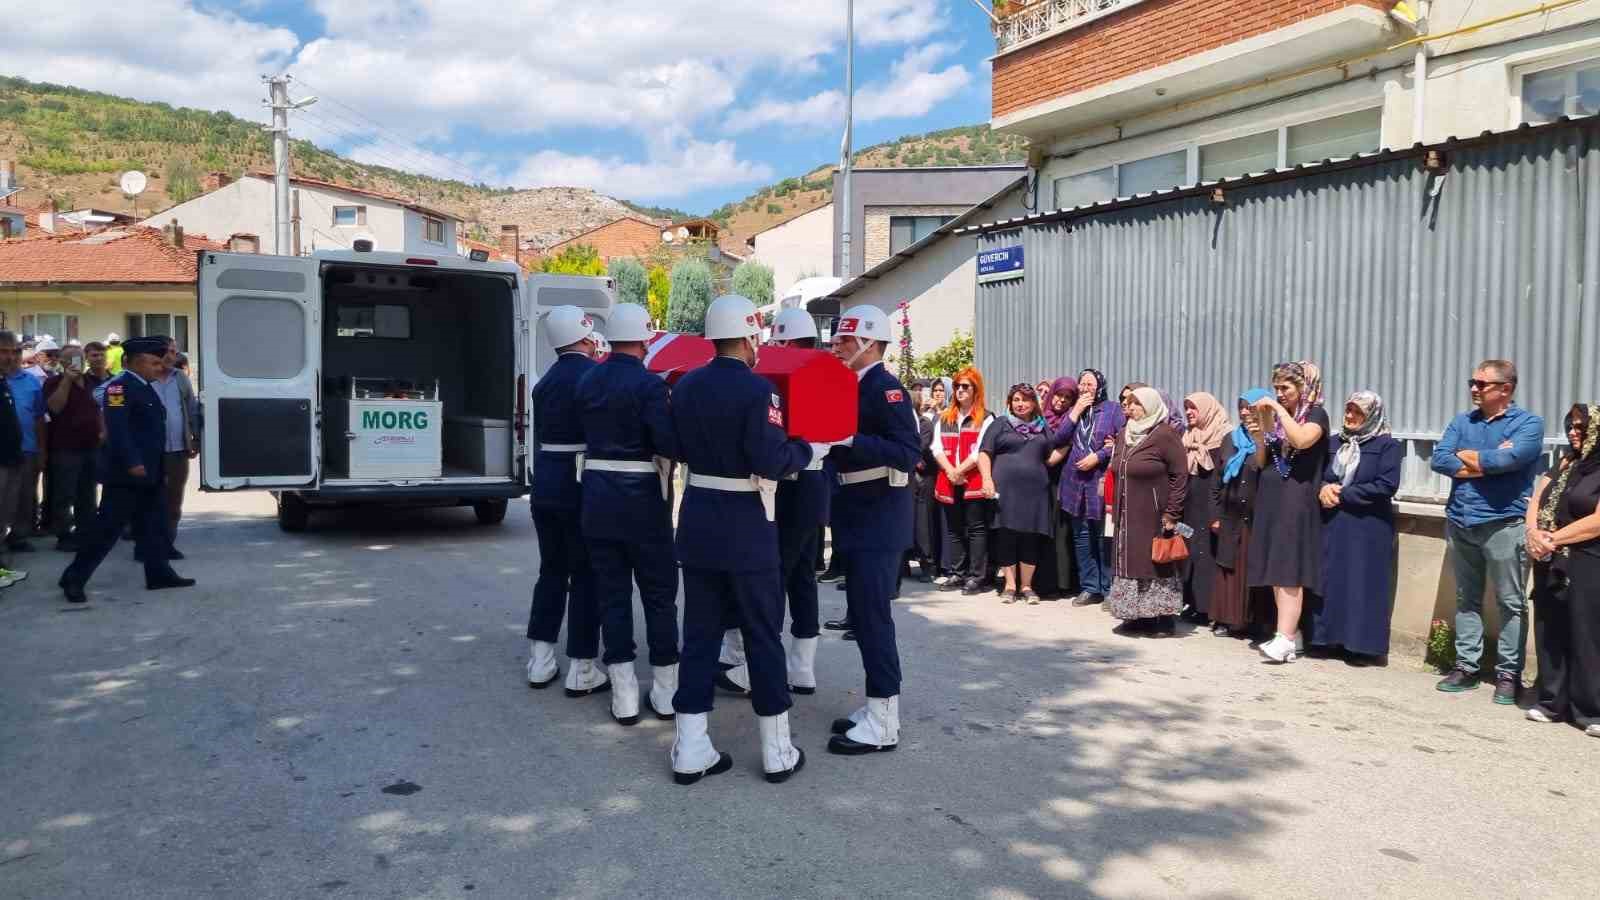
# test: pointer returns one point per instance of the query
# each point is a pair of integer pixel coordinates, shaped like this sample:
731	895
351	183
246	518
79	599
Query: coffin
815	394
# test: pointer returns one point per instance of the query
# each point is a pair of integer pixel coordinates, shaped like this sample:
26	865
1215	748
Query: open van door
260	355
593	294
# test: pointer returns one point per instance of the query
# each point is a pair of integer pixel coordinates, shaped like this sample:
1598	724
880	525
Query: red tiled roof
30	219
407	202
114	256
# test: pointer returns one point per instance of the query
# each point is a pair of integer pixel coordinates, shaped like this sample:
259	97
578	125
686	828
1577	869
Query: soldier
872	523
564	570
130	467
627	511
729	428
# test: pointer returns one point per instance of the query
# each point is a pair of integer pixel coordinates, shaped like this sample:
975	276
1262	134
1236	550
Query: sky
689	104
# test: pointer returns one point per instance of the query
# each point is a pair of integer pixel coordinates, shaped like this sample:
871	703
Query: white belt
660	466
577	469
896	477
752	484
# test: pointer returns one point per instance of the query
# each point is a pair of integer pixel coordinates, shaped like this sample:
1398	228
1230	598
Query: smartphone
1183	529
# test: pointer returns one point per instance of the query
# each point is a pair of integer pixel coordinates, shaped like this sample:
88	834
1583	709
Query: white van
351	377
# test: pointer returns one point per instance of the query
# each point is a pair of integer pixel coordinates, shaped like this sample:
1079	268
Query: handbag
1168	549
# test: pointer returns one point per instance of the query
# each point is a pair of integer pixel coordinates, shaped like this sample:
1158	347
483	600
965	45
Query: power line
365	121
398	158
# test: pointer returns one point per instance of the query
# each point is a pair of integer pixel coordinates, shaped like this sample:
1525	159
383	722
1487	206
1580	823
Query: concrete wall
961	186
800	247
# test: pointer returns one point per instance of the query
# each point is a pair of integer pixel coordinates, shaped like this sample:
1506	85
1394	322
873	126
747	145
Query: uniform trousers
712	597
797	548
564	572
870	584
617	565
121	505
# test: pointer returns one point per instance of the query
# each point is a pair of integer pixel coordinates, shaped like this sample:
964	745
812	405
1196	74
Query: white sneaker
1535	714
1280	649
542	667
585	678
1592	731
941	579
780	758
732	648
693	755
663	686
624	693
803	666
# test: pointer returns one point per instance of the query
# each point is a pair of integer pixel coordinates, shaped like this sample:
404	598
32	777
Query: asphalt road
342	713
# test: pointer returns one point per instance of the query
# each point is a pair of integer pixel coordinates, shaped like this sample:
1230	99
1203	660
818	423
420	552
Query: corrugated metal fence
1388	276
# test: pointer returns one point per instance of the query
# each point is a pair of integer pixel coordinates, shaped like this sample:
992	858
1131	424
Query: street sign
1000	265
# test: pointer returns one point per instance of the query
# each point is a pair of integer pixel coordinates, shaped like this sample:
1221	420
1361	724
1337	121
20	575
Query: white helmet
567	325
46	343
629	322
731	316
113	337
793	324
865	322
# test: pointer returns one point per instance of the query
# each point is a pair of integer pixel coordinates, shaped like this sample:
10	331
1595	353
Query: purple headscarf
1175	416
1062	385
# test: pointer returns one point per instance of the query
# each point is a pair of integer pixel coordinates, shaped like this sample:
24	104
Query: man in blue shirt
27	395
1491	455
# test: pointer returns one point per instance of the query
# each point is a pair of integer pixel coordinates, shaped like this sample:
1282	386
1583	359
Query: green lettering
369	418
421	420
405	420
388	418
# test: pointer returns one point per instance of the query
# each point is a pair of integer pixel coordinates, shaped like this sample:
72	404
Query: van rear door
260	359
593	294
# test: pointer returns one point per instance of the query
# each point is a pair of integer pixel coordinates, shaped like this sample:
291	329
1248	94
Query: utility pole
849	128
278	94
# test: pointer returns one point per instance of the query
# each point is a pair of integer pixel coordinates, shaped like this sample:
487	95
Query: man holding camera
73	437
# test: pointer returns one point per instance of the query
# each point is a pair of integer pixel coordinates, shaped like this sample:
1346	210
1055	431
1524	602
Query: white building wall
415	242
800	247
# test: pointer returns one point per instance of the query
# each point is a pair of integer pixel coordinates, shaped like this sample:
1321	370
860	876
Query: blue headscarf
1243	444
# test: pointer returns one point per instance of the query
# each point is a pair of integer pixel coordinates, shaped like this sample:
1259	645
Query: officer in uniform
627	511
564	570
730	434
872	523
130	467
802	514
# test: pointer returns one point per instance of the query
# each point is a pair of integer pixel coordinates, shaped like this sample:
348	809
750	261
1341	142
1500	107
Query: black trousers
710	599
145	509
870	579
967	522
617	566
565	585
1566	629
797	549
1013	547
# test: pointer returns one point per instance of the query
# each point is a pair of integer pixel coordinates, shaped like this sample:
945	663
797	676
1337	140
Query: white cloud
671	171
912	88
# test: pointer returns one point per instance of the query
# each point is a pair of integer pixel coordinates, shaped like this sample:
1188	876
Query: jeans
1496	552
1094	570
72	485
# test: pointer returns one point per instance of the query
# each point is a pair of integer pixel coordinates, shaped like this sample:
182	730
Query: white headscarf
1155	412
1348	458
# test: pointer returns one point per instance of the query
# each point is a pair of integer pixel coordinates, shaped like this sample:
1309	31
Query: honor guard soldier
130	468
872	523
627	511
730	435
802	514
564	570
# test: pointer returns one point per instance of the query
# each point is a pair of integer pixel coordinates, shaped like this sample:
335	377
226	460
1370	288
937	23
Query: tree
691	294
753	280
660	290
947	360
579	259
633	285
182	182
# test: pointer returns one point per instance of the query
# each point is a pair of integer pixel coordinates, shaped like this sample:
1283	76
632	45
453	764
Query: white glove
847	442
818	451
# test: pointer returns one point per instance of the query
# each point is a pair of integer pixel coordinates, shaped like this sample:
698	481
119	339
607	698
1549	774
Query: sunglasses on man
1476	384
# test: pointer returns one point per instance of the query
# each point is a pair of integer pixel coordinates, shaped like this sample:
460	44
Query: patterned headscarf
1100	385
1027	427
1556	492
1207	434
1348	458
1308	378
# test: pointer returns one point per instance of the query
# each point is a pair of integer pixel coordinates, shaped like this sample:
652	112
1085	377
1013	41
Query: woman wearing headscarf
1233	492
1286	542
958	435
1152	479
1013	463
1564	540
1358	536
1054	577
1176	416
1207	425
1092	419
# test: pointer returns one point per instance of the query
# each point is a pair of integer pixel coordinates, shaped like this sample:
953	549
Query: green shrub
579	259
1441	646
633	284
753	280
691	294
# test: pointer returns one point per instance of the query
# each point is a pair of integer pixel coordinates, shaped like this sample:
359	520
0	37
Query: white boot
585	678
803	666
624	693
693	756
840	726
780	758
735	680
542	667
732	648
879	730
664	685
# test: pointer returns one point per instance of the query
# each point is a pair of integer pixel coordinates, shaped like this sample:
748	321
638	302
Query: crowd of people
1264	520
51	444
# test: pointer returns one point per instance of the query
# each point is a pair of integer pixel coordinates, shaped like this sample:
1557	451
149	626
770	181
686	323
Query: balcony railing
1023	21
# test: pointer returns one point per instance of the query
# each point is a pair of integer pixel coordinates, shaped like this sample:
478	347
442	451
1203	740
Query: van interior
413	332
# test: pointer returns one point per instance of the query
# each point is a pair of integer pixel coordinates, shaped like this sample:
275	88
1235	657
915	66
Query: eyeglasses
963	387
1479	385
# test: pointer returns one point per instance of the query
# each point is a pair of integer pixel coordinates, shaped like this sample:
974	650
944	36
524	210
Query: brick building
632	236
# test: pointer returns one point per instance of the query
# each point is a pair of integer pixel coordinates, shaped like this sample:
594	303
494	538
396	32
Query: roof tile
115	256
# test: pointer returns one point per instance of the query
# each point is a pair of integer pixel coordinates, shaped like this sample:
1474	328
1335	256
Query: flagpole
845	164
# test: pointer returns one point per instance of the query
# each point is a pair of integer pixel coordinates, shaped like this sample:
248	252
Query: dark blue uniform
627	522
872	521
563	560
726	422
136	435
802	511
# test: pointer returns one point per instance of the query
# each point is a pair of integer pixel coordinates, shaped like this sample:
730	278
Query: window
907	230
1153	174
158	325
60	326
260	337
180	331
349	215
1086	188
1568	91
1240	156
433	231
1334	138
372	320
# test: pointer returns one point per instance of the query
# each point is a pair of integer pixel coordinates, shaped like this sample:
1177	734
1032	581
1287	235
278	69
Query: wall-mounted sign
1000	265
